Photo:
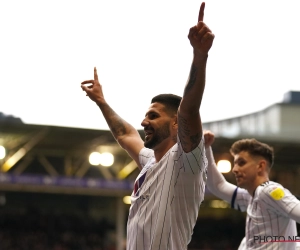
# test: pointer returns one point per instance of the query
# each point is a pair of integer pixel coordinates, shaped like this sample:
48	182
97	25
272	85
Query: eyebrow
151	112
239	159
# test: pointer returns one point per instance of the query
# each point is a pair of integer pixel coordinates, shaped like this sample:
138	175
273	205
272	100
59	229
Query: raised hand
209	138
93	88
200	36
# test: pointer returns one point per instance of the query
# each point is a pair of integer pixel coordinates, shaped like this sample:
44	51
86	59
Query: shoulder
273	190
277	198
145	155
240	199
199	148
242	193
146	152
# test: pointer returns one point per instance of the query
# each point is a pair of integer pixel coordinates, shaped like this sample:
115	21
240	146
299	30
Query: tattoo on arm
116	124
188	141
183	131
195	139
118	128
192	79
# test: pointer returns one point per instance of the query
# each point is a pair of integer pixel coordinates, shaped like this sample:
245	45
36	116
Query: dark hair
254	148
170	101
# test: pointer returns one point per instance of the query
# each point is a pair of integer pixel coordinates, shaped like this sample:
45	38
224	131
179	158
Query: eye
152	116
241	163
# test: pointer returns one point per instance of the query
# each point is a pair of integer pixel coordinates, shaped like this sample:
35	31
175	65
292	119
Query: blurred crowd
59	222
36	231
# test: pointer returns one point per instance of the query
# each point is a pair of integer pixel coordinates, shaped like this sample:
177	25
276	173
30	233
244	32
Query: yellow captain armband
277	193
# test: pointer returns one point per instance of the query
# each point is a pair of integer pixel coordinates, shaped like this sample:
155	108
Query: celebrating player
272	211
170	187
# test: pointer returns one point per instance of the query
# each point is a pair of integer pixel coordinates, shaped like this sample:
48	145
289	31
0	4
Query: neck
162	149
260	181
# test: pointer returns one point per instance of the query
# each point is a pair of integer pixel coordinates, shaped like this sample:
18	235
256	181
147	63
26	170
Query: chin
239	184
147	144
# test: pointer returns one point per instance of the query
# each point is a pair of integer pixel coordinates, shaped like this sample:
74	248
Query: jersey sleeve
278	199
145	155
194	161
240	199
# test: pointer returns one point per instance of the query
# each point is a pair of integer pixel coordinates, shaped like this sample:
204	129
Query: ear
262	166
175	122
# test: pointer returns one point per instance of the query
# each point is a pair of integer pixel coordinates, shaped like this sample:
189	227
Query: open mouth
148	134
147	137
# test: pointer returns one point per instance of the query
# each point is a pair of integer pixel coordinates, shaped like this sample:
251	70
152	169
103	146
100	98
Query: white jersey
268	225
243	244
166	199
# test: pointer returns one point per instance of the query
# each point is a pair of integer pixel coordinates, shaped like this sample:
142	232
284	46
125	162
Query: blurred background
64	188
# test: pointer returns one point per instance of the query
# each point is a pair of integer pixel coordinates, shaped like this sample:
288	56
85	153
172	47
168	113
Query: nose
144	122
234	169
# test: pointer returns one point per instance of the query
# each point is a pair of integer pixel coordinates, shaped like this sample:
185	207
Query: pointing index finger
201	12
95	74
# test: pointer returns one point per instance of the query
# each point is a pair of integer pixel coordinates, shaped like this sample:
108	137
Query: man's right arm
124	133
216	182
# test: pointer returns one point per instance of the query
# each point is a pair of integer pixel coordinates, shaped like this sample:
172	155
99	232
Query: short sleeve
194	161
278	199
145	155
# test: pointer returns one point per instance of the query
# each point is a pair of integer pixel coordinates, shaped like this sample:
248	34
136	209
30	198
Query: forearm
118	126
216	182
189	120
195	85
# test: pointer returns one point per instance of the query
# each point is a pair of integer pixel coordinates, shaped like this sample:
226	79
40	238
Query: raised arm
124	133
216	182
189	121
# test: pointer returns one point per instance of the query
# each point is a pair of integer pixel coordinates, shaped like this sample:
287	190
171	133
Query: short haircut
170	101
254	148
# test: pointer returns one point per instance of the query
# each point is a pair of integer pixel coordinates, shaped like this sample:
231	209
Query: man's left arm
189	121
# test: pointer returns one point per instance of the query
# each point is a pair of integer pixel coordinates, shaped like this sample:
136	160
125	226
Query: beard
157	137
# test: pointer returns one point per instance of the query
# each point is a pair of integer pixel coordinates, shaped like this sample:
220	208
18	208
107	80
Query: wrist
100	102
200	55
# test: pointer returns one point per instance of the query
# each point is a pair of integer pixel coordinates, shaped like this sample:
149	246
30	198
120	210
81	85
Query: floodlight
2	152
224	166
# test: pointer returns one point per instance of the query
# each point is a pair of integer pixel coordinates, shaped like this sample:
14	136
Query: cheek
251	174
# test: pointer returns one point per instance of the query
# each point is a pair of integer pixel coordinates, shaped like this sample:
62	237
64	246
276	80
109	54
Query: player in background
272	211
170	187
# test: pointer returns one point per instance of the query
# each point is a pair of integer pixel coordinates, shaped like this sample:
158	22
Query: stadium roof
34	152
